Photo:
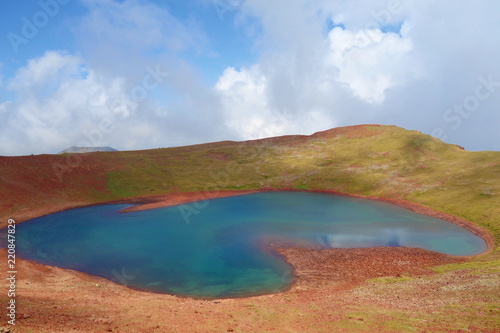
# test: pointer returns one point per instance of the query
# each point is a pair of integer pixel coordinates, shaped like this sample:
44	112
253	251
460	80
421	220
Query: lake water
220	249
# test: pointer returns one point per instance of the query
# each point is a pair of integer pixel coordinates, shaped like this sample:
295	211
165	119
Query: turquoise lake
220	249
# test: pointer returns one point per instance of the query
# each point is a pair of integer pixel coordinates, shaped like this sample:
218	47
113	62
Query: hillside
383	162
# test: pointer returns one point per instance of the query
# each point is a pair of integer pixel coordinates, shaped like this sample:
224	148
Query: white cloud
52	67
369	61
250	114
56	104
245	102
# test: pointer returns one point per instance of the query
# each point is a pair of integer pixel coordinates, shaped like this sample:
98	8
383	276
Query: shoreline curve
308	264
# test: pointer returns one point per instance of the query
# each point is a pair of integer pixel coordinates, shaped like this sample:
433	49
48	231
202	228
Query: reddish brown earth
343	269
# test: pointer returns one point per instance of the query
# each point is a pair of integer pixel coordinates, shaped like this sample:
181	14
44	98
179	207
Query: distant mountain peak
75	149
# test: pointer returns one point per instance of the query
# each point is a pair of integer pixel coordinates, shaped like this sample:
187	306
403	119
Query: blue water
218	249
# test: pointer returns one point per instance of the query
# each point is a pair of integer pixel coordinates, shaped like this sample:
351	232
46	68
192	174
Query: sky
140	74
